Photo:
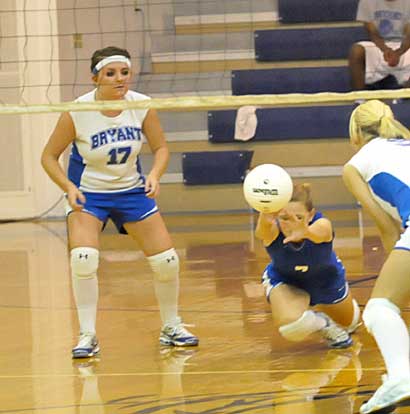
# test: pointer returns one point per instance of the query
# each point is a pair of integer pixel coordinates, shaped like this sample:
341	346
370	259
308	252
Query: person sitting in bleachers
384	61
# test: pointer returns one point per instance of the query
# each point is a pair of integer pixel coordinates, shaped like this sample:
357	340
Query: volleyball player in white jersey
104	181
378	175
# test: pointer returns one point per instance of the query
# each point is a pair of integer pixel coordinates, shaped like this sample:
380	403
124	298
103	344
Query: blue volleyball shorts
271	278
120	207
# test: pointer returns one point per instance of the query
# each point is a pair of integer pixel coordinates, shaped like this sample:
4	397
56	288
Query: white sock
320	321
383	320
167	296
392	337
165	266
307	324
86	298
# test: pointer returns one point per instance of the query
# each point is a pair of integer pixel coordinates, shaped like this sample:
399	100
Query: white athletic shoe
335	335
391	393
87	346
177	335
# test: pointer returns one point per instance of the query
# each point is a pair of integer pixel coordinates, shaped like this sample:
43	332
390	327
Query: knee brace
165	265
84	262
375	308
356	317
301	328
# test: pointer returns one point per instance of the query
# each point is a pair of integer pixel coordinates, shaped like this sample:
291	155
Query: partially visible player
387	53
378	176
105	181
305	281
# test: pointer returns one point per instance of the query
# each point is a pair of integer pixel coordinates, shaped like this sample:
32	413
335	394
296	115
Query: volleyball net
192	53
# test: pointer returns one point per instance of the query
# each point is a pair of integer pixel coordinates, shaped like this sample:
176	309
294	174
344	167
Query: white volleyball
268	188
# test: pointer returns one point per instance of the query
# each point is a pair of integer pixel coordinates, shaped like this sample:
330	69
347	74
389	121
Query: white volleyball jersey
104	155
385	165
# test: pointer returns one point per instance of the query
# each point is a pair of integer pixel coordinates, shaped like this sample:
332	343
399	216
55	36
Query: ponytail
375	119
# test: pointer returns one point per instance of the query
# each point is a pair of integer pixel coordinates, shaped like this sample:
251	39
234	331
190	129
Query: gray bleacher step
174	165
174	171
185	126
198	7
202	43
180	84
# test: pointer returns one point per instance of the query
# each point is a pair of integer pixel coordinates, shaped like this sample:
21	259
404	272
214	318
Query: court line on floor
146	374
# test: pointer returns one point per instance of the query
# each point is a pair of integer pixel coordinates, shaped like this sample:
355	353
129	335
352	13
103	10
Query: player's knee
165	265
375	308
84	262
298	330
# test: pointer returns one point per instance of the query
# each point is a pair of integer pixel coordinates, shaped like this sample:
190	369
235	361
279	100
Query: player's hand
395	58
75	198
152	186
392	57
269	217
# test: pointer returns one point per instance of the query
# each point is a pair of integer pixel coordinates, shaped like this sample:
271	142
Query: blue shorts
335	293
123	207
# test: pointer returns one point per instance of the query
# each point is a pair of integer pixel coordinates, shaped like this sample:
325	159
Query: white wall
39	64
28	74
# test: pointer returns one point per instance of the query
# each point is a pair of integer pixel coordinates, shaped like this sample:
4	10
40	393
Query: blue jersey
306	263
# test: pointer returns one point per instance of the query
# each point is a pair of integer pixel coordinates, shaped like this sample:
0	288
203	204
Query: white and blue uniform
313	267
390	18
104	162
385	165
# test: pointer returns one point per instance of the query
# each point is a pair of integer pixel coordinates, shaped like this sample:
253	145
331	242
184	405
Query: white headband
111	59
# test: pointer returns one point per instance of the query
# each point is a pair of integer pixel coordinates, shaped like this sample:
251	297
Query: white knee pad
165	265
356	317
376	307
301	328
84	262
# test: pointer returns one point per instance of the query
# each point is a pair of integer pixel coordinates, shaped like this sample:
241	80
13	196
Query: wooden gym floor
241	365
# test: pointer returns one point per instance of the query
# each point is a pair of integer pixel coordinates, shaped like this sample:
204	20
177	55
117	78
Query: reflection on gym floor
241	365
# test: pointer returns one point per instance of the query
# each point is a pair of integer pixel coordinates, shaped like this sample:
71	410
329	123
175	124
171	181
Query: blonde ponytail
391	128
375	119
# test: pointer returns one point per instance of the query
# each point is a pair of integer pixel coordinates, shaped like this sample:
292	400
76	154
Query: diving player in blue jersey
105	181
378	175
305	282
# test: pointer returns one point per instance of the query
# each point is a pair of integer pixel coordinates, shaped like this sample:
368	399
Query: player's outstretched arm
267	228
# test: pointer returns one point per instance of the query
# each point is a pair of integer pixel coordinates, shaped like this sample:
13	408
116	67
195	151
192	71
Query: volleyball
267	188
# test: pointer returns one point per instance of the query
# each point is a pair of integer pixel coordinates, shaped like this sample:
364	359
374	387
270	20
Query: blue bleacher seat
215	167
314	122
310	11
305	44
291	80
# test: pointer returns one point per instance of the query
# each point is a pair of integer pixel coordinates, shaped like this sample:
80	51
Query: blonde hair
375	119
302	193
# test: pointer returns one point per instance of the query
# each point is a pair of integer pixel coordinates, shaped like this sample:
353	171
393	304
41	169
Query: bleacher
302	50
297	11
318	43
290	80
